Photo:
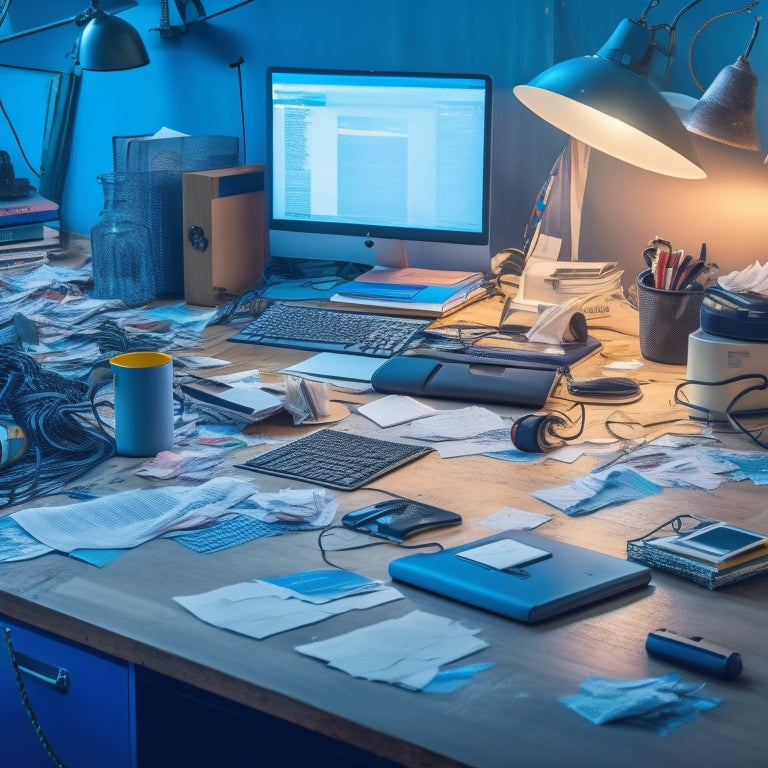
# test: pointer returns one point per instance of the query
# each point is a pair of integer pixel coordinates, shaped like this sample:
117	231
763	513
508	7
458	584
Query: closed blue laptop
556	577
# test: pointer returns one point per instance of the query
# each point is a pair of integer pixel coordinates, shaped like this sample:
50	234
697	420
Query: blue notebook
521	575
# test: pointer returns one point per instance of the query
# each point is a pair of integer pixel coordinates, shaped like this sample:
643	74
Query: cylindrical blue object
143	403
695	653
525	433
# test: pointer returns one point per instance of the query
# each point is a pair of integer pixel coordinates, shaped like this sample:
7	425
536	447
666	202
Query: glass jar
121	247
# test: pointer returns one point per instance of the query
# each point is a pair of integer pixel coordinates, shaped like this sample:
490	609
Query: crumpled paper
660	703
753	278
558	324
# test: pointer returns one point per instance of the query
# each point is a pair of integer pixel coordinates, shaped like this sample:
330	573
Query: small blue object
695	653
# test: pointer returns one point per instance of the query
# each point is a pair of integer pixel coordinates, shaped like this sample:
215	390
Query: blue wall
189	84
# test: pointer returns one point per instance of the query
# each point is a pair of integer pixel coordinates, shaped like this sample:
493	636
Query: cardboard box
225	233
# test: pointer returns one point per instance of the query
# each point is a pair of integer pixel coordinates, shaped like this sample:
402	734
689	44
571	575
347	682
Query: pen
682	269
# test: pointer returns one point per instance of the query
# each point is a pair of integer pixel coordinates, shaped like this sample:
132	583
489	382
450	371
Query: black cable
747	9
18	140
27	704
54	415
238	66
223	10
324	552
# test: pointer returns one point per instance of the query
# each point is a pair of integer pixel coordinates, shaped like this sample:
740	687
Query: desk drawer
87	715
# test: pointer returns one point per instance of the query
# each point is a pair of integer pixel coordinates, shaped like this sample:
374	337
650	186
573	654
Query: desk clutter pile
192	497
637	455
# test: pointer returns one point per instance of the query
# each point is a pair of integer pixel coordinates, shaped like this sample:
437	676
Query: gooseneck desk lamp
607	102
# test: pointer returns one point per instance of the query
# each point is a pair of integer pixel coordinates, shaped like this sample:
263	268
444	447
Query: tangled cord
747	9
51	411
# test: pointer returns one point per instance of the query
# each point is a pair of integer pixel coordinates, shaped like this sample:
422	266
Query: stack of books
552	282
712	554
26	231
413	291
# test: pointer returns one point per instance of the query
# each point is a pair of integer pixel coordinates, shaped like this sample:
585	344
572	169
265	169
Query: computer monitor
379	168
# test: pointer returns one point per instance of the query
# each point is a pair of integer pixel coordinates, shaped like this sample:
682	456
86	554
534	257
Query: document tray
476	382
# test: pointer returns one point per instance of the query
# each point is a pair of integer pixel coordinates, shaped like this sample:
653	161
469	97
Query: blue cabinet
83	701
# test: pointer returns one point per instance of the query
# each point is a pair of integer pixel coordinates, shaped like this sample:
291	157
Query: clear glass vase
121	247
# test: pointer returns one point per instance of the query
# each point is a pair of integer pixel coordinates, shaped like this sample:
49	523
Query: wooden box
225	233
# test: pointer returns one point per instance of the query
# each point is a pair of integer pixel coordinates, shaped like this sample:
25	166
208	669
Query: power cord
324	552
27	704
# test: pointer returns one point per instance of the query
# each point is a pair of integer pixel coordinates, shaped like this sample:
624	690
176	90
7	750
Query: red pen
661	269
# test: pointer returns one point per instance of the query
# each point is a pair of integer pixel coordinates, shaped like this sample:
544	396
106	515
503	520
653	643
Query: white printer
730	346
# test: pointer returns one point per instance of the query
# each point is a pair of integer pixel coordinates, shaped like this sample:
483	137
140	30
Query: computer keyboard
330	330
334	459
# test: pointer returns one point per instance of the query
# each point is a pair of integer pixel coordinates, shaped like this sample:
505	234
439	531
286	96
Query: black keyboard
335	459
330	330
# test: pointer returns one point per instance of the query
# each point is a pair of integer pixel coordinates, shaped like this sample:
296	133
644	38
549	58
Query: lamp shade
726	110
109	43
606	102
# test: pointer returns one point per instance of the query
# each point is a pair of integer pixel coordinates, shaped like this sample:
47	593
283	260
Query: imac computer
380	168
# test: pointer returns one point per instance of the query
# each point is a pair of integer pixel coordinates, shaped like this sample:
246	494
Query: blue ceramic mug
143	402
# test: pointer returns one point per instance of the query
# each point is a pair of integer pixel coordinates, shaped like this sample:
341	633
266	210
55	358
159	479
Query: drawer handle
58	677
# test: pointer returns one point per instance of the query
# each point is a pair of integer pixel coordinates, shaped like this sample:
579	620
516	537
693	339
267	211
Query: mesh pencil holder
666	320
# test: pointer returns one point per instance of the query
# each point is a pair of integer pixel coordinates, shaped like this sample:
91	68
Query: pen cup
667	318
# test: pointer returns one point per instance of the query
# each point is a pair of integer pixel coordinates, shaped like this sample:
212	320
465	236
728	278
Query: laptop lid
521	575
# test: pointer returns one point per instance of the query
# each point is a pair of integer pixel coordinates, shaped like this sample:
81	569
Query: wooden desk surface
508	715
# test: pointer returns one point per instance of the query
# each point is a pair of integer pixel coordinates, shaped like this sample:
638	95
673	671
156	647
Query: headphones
542	432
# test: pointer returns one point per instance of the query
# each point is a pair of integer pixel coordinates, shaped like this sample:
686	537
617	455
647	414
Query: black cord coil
52	412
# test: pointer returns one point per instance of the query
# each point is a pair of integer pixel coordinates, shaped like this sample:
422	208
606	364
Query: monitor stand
381	252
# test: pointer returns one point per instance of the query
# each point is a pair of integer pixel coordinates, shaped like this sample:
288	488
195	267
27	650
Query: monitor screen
374	166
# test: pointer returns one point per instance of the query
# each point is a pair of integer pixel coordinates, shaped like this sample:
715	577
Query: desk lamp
726	111
107	43
606	101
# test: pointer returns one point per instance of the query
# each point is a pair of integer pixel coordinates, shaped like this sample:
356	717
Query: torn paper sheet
598	490
407	651
261	608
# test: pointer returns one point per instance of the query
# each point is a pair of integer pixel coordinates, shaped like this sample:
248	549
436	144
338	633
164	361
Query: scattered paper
316	506
456	424
598	490
199	361
261	608
17	544
407	651
350	371
391	410
509	518
184	465
662	703
753	278
127	519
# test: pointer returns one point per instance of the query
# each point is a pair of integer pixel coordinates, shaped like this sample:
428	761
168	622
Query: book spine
9	217
21	232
